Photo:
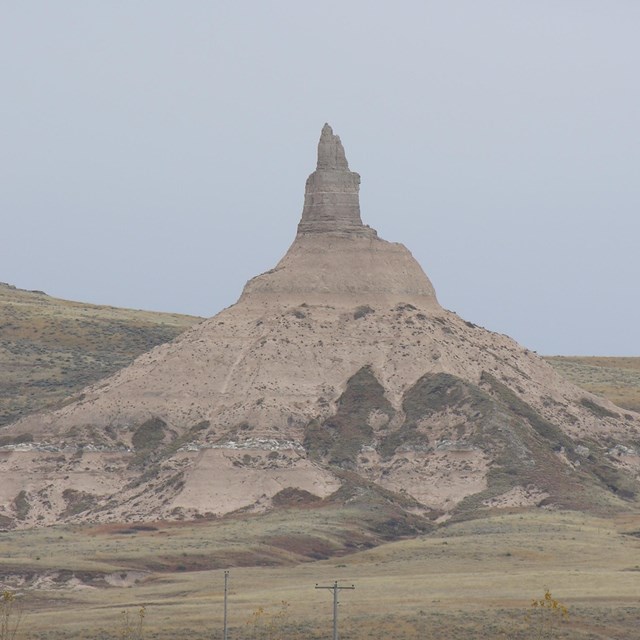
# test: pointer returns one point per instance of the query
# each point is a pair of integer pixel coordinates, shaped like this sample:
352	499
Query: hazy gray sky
153	154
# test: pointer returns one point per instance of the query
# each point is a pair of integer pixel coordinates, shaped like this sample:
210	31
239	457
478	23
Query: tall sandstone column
331	197
335	260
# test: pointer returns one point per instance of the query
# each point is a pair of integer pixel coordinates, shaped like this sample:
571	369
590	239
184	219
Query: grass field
51	348
468	580
617	379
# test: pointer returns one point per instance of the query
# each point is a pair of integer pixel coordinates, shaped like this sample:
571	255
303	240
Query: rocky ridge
336	374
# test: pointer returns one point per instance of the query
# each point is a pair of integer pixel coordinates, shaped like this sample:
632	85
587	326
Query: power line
226	590
335	588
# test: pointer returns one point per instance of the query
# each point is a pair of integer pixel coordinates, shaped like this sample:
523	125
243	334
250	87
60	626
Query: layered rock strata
335	259
336	367
331	197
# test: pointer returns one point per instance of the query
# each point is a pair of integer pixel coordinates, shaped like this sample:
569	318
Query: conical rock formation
338	366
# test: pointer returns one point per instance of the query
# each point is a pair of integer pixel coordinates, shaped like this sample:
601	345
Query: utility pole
335	588
226	590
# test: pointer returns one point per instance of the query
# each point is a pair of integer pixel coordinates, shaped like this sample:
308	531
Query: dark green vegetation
77	501
530	457
51	348
431	395
444	413
149	435
22	505
339	439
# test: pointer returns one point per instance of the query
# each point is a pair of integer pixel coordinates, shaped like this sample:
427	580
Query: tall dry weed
545	616
132	627
10	615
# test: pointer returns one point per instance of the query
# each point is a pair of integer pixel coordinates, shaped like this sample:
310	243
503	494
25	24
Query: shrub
362	311
131	628
545	615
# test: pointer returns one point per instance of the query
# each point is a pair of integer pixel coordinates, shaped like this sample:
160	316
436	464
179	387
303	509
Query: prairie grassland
617	379
51	348
474	579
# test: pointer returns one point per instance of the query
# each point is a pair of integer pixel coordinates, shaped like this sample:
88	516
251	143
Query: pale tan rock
331	200
258	373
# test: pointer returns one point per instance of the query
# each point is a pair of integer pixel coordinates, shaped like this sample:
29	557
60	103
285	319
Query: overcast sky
153	154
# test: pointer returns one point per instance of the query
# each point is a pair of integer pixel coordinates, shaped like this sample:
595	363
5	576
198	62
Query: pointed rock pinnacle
331	200
330	151
335	260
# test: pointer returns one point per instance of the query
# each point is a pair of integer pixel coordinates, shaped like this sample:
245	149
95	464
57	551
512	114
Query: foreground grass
467	580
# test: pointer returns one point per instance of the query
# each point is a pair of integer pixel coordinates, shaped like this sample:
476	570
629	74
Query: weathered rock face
331	203
336	367
335	259
344	271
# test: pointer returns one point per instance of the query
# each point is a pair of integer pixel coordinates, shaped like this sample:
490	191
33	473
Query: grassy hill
51	348
617	379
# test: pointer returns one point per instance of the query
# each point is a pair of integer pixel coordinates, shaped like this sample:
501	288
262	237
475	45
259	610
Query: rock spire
331	200
336	260
331	154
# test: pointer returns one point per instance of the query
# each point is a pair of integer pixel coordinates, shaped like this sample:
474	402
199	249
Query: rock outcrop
336	373
331	197
335	259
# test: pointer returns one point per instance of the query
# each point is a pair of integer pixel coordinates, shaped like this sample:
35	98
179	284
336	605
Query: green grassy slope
51	348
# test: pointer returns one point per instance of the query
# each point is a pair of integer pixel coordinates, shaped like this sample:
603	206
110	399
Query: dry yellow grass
473	579
617	379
